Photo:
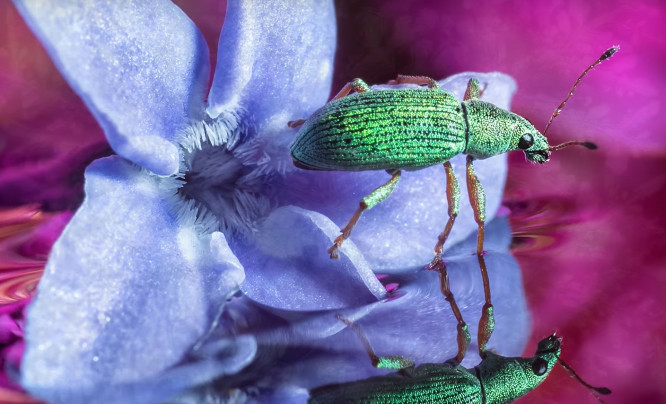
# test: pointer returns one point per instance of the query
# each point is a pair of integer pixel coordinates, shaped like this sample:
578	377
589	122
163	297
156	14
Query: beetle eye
539	366
526	141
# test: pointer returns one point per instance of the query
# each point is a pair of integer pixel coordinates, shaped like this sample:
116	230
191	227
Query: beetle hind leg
380	362
419	80
357	85
474	90
346	231
375	197
296	123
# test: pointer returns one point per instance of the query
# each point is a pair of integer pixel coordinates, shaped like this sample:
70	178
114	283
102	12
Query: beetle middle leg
478	199
375	197
453	199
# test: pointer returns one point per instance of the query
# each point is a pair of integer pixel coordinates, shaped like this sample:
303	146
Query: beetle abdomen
388	129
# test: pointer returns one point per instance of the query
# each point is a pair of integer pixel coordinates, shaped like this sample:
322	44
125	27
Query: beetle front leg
453	199
478	200
380	362
487	320
474	91
419	80
463	338
375	197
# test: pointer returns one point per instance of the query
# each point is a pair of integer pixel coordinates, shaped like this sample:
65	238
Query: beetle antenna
609	52
595	391
586	144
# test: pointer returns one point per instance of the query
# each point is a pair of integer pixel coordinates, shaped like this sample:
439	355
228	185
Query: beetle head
528	139
505	377
535	144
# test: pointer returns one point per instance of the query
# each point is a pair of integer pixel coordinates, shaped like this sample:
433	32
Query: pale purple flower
196	264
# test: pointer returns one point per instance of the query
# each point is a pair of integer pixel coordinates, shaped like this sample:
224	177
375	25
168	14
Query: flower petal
275	61
127	291
292	271
141	68
401	232
415	317
418	325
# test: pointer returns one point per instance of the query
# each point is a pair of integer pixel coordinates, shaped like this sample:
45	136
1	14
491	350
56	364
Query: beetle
496	380
413	128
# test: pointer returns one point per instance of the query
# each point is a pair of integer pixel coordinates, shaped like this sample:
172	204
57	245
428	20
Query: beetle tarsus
419	80
436	263
333	251
295	123
463	339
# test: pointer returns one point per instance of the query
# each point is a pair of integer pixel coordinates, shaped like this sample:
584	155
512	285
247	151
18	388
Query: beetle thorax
490	129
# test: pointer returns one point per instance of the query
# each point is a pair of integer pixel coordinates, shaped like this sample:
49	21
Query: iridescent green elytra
496	380
393	129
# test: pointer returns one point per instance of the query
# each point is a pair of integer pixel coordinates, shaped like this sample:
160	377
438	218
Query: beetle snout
544	154
538	156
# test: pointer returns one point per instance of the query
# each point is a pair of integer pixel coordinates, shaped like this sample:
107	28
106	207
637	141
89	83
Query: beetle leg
473	91
380	362
463	333
453	199
295	123
376	196
478	200
420	80
487	320
357	85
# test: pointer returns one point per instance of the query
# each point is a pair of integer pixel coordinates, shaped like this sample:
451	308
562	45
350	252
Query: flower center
220	183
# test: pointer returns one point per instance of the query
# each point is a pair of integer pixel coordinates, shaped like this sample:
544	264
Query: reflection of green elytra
414	128
497	379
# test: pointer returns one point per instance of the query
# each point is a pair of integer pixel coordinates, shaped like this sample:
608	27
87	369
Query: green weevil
413	128
496	380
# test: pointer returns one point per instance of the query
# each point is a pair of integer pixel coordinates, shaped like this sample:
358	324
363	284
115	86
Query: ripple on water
26	237
536	223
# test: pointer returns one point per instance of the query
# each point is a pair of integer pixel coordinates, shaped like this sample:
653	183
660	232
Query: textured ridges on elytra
407	128
445	385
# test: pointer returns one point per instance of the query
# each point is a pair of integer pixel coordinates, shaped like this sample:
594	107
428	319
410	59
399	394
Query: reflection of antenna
593	390
610	52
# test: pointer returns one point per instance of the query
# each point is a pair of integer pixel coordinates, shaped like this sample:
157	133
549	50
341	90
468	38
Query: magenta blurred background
589	226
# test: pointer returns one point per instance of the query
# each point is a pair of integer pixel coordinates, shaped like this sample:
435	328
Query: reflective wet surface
588	229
